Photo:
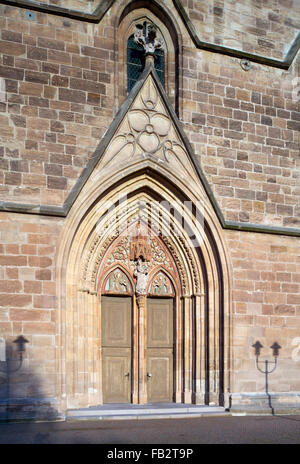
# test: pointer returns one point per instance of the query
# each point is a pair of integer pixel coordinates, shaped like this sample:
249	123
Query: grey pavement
204	430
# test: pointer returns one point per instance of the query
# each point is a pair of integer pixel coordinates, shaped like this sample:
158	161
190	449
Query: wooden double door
118	350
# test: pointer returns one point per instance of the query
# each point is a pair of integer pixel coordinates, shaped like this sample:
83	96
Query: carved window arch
161	285
117	283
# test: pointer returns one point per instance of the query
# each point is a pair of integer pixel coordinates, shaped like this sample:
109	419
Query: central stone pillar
142	339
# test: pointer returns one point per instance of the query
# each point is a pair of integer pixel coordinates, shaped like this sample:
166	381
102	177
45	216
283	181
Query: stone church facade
150	204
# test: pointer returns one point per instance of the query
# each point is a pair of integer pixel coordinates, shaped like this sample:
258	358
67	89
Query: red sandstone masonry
27	290
250	118
231	107
266	304
60	83
45	74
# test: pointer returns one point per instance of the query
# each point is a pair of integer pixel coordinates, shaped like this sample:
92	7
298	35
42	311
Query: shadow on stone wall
21	392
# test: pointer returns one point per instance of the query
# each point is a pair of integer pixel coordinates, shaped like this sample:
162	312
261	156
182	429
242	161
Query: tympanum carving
117	282
161	285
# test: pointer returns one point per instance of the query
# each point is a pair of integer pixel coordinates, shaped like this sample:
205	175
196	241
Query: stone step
141	412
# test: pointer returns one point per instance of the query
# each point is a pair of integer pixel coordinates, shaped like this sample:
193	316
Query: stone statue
146	35
141	274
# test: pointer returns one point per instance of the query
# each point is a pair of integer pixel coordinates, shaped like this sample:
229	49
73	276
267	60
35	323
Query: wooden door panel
116	349
116	321
160	322
160	349
160	367
116	375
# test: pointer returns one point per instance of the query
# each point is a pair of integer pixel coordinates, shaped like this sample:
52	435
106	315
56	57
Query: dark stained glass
136	63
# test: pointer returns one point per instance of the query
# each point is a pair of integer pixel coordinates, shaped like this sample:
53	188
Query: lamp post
21	346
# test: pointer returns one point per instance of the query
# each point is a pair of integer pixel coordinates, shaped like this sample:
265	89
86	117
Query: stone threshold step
143	413
148	416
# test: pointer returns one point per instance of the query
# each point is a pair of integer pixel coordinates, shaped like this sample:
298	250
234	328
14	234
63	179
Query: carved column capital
185	296
141	301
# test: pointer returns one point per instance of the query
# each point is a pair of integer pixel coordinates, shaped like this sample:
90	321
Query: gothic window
131	53
117	282
136	62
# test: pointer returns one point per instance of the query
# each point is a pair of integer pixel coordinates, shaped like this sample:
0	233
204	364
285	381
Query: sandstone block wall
57	85
266	308
244	126
59	94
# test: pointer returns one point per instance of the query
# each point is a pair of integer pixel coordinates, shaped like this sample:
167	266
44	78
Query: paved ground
204	430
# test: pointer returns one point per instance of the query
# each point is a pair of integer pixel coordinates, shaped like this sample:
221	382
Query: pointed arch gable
161	173
95	169
200	269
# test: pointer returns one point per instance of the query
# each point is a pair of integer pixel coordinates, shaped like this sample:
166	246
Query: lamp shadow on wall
21	391
266	367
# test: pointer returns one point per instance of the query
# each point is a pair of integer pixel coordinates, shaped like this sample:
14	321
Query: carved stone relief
117	282
161	285
147	36
120	251
147	131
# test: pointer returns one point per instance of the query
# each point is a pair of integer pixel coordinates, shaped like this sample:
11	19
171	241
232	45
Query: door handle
127	375
149	375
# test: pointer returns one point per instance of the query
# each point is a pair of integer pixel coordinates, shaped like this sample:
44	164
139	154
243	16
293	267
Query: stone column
78	349
142	342
70	374
93	369
141	274
214	347
98	347
199	394
135	353
188	349
83	348
178	351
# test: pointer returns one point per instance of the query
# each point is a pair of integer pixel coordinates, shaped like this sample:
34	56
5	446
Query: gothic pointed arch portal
143	272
